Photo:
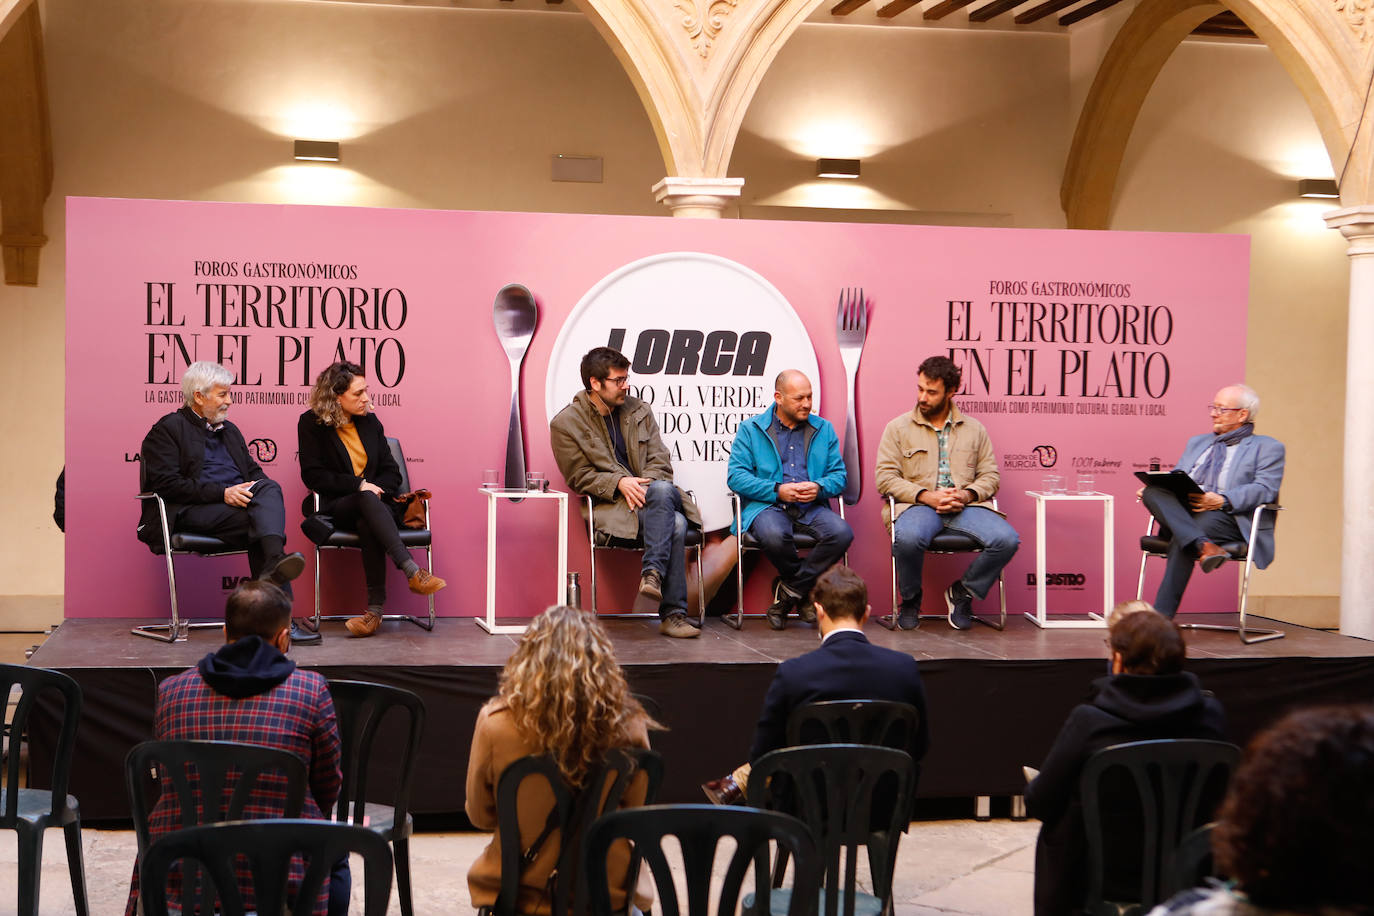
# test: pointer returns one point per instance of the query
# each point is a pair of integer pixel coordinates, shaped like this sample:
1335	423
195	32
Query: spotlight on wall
317	150
1324	188
837	168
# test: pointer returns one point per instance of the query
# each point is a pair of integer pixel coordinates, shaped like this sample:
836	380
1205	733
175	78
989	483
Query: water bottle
574	595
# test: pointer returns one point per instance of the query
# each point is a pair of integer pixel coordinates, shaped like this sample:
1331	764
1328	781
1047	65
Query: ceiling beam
944	8
1042	10
996	8
895	7
1089	9
845	7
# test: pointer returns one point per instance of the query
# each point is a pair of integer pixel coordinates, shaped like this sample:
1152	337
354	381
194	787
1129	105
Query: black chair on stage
572	814
30	812
852	796
210	854
361	709
1152	544
948	541
1140	800
165	543
699	830
324	535
198	773
747	541
600	540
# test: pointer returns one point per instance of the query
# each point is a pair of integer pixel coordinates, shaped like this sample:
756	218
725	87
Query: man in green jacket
608	446
786	467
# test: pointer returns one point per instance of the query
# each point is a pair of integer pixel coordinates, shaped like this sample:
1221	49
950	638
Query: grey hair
203	376
1249	399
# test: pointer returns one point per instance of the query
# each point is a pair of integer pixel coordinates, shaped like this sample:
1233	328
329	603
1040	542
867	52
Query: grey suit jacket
1253	479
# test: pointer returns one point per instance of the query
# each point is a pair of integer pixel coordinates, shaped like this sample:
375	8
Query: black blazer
172	456
846	667
326	468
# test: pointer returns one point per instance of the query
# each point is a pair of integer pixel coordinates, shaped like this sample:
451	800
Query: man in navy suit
846	667
1238	471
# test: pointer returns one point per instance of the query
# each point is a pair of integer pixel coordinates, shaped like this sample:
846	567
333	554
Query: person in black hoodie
345	459
249	692
1148	695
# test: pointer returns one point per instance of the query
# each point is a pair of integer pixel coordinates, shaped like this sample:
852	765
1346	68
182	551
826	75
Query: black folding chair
361	709
572	813
852	796
169	544
216	851
1168	788
699	830
30	812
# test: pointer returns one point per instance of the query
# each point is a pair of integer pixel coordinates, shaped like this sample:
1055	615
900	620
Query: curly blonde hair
333	381
565	691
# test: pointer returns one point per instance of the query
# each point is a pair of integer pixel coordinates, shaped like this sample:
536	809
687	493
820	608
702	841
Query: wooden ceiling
1025	12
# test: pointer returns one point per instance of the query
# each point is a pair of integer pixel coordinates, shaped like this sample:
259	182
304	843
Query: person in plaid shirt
250	692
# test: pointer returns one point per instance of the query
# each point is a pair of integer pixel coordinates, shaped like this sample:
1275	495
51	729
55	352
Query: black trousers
263	518
377	525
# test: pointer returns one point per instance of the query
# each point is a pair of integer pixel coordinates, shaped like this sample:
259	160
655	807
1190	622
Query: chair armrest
162	517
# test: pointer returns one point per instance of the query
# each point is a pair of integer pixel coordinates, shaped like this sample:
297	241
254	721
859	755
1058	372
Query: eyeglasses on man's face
1217	408
620	381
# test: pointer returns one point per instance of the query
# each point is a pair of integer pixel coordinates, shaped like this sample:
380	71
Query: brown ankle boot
365	625
425	583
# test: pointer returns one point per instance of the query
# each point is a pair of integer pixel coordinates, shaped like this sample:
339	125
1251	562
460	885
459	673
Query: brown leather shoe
1210	556
651	585
365	625
678	626
425	583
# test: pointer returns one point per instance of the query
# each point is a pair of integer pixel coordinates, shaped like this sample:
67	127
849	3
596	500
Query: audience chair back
267	847
1139	801
885	723
361	709
852	796
698	830
572	814
324	535
211	782
30	812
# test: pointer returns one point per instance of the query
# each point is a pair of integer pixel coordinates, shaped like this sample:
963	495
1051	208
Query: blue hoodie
245	668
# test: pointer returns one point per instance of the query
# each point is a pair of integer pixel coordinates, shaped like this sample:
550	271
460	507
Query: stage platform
996	699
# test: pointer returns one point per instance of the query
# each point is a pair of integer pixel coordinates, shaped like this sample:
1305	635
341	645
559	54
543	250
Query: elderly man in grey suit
1238	470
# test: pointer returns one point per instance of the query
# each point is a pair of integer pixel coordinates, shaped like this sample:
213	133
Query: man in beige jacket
608	446
939	467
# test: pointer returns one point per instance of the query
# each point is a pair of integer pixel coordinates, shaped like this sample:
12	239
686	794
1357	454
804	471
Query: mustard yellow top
348	435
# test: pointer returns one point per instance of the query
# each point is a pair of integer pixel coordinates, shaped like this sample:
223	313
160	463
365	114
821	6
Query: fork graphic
851	327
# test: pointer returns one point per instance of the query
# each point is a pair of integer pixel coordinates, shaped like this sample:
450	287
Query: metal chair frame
1238	551
803	542
621	544
890	620
176	629
428	547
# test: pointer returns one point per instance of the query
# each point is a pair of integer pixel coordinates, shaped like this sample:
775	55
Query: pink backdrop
133	272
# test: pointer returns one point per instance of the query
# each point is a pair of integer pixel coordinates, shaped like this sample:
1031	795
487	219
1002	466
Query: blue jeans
662	527
918	525
774	528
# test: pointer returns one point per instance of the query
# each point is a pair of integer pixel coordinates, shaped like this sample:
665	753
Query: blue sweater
756	466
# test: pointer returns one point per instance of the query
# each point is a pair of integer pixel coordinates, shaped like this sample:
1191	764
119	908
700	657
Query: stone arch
696	65
1325	48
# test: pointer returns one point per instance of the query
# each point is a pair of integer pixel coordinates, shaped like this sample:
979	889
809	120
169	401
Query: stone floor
955	867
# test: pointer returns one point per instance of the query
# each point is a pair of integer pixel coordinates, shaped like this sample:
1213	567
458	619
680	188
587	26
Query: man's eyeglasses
1217	408
620	381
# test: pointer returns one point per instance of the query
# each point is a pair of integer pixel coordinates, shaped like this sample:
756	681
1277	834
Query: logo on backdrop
1069	580
1042	456
705	337
264	450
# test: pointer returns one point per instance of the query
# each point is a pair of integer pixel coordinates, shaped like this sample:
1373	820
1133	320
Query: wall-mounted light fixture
837	168
317	150
1320	188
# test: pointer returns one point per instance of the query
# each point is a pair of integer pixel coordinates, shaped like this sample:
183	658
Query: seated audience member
1296	831
198	462
345	459
562	693
1238	471
1148	695
249	692
845	667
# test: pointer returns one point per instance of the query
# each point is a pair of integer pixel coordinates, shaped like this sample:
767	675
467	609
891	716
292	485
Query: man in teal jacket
786	466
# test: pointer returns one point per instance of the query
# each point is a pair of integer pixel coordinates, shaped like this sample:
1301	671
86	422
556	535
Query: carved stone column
25	144
1357	488
701	198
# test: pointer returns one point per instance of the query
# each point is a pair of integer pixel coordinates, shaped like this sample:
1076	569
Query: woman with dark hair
1148	695
345	459
1296	832
562	693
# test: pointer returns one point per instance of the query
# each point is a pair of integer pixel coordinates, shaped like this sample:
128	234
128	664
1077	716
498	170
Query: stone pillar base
698	198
